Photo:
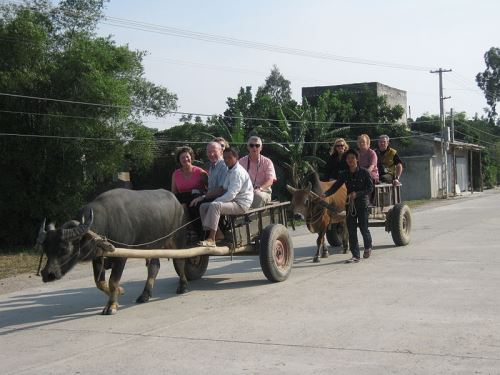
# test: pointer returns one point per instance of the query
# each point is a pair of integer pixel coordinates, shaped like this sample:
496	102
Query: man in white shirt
236	200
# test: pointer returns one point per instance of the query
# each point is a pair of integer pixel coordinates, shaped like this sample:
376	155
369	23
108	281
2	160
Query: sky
426	34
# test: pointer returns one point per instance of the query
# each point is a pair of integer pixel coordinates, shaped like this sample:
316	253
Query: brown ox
306	202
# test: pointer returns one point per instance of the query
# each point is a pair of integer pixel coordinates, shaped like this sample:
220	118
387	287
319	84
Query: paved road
431	307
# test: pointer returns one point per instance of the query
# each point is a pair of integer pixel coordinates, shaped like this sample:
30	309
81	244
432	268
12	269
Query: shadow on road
35	310
224	283
304	255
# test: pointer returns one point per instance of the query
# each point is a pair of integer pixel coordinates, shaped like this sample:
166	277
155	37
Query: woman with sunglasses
261	171
336	162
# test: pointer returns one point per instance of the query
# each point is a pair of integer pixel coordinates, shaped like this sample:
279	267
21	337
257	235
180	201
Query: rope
352	208
313	218
151	242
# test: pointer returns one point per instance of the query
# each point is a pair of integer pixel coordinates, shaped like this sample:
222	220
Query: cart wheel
276	252
334	235
400	224
194	268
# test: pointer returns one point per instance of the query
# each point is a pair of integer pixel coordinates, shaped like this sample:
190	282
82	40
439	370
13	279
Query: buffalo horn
291	189
41	233
80	229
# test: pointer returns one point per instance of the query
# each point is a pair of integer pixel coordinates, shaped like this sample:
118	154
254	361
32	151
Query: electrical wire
193	113
311	123
219	39
475	139
479	130
163	141
225	40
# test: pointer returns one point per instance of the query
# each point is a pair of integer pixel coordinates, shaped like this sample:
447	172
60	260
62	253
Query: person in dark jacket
359	186
336	162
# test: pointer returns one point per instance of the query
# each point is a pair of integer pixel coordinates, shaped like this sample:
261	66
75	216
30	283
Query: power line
479	130
312	123
164	141
50	115
475	139
194	113
225	40
219	39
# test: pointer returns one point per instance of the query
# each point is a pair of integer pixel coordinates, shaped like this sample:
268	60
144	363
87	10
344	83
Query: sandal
352	260
207	243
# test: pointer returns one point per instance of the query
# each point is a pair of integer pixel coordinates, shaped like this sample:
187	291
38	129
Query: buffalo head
300	200
62	245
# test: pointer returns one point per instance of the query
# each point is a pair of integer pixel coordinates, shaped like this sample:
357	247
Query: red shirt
185	185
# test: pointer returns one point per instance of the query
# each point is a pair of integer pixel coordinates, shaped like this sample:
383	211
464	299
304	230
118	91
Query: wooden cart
260	231
388	211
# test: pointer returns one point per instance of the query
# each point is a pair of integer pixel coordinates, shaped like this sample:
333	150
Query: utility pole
453	156
444	144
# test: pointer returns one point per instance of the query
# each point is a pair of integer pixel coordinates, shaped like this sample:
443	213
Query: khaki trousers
260	199
210	212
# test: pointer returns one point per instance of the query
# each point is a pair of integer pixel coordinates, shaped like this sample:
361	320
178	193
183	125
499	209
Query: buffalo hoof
182	289
316	259
144	297
325	254
345	250
110	309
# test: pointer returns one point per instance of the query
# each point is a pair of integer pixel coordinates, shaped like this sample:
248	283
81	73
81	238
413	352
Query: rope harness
96	236
151	242
351	210
313	218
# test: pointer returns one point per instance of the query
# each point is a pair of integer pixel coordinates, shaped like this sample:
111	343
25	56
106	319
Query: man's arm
270	176
399	166
336	186
233	189
267	184
217	192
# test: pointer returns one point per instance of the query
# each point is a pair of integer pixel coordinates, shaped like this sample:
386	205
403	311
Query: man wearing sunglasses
261	171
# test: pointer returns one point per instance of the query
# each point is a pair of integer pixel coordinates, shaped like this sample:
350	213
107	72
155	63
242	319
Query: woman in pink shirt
367	157
189	182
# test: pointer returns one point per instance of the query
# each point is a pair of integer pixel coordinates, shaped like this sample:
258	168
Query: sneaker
367	253
352	260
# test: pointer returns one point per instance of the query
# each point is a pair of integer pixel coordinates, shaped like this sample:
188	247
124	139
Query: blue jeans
359	219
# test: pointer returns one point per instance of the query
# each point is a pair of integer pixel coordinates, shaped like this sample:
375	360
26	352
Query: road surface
430	307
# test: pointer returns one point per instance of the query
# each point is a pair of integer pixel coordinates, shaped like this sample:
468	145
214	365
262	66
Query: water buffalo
122	216
317	217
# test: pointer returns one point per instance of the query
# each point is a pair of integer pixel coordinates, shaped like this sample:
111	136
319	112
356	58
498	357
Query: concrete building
393	96
422	160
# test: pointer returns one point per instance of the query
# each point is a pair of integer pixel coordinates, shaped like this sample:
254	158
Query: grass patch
14	262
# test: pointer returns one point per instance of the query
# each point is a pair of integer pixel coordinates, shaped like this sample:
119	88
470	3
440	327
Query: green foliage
427	124
276	87
489	80
52	52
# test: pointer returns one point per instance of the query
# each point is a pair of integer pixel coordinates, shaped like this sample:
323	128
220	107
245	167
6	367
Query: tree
489	80
277	87
71	150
